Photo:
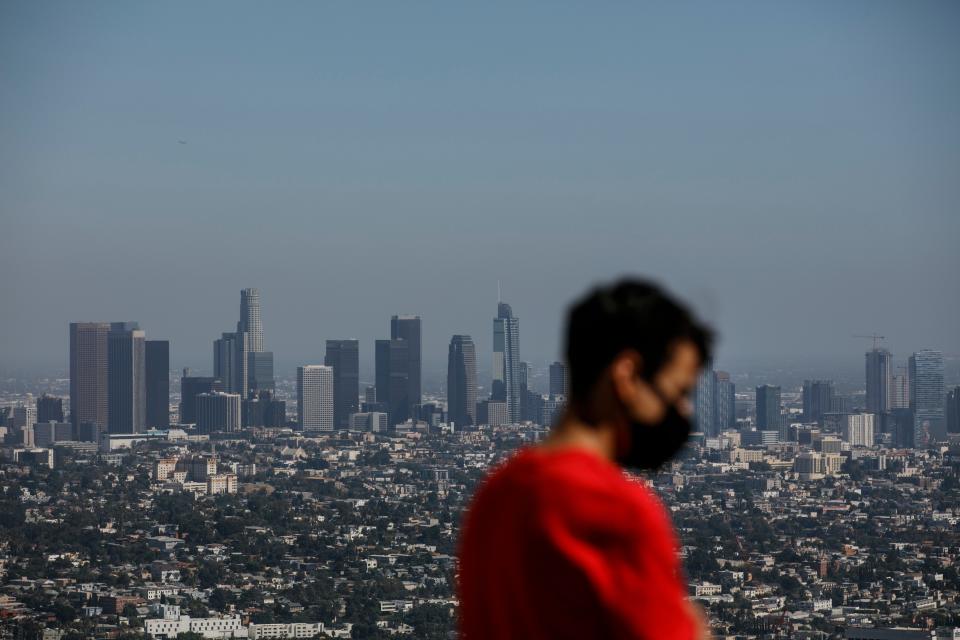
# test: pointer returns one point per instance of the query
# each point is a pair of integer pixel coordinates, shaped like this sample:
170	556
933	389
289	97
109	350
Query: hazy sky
793	169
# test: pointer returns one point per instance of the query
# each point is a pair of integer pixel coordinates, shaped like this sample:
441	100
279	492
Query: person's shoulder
575	486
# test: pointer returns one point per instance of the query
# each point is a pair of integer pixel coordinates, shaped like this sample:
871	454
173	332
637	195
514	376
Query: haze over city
790	170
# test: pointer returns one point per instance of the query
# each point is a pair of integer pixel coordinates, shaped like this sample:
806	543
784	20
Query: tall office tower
528	400
315	398
768	408
392	373
218	411
190	388
926	397
259	363
726	402
462	381
260	372
705	403
858	429
524	378
158	384
88	375
506	360
407	328
344	357
817	399
558	379
899	391
901	424
49	409
953	410
370	395
250	319
126	378
230	362
878	370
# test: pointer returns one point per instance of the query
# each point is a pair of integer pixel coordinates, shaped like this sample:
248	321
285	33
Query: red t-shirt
562	544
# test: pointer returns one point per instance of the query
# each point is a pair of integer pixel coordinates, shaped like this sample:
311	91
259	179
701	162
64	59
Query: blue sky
792	169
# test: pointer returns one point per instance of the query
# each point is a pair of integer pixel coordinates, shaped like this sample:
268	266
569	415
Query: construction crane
876	339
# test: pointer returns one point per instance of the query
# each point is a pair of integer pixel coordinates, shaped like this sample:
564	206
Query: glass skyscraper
250	318
88	375
506	360
126	378
462	381
407	328
392	374
344	357
158	384
879	369
926	397
768	408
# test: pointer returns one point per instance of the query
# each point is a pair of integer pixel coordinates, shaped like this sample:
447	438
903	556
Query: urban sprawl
135	503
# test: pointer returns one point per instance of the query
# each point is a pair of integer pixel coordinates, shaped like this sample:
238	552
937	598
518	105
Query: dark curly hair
629	314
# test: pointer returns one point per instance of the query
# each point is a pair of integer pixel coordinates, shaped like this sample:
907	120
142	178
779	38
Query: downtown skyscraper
705	403
408	329
230	362
818	399
259	362
726	402
768	408
239	360
926	397
953	410
315	398
506	360
714	403
559	382
157	365
392	378
344	357
879	369
88	375
250	319
462	381
126	378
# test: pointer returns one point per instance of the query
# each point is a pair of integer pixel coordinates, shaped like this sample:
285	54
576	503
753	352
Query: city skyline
398	395
434	369
263	268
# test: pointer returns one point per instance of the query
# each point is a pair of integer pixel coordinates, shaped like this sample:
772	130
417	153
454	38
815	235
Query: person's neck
572	432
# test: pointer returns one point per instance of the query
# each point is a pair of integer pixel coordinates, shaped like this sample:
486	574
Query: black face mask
651	446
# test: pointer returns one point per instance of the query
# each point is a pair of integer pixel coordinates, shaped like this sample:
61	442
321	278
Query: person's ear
624	371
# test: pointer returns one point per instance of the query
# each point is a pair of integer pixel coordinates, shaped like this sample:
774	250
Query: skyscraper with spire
259	362
506	360
239	360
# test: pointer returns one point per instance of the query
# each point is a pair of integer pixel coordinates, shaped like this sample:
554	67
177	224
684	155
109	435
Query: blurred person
559	542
